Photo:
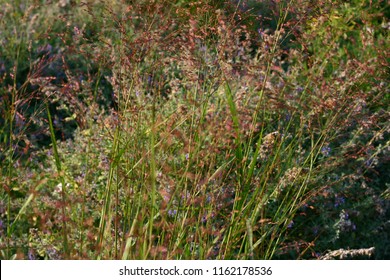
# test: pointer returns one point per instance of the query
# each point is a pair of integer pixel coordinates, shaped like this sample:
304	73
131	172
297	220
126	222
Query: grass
194	130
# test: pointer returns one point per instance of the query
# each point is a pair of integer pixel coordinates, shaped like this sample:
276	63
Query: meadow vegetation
210	129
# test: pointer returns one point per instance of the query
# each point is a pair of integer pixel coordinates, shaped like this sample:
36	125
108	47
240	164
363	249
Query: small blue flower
261	32
185	196
339	201
325	150
52	254
172	213
299	89
371	162
56	122
30	255
291	224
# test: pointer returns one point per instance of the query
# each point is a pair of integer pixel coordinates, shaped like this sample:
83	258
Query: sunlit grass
163	130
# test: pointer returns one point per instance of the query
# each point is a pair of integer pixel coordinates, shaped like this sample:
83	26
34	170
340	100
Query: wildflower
344	224
203	48
325	150
52	253
299	89
280	84
172	213
290	225
186	196
30	255
371	162
339	201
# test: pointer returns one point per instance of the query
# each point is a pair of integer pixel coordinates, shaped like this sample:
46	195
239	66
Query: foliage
194	130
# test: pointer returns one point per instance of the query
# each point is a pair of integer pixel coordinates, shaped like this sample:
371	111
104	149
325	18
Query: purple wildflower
325	150
172	213
339	201
30	255
299	89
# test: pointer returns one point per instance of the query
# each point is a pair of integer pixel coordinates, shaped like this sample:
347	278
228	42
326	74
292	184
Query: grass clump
195	130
